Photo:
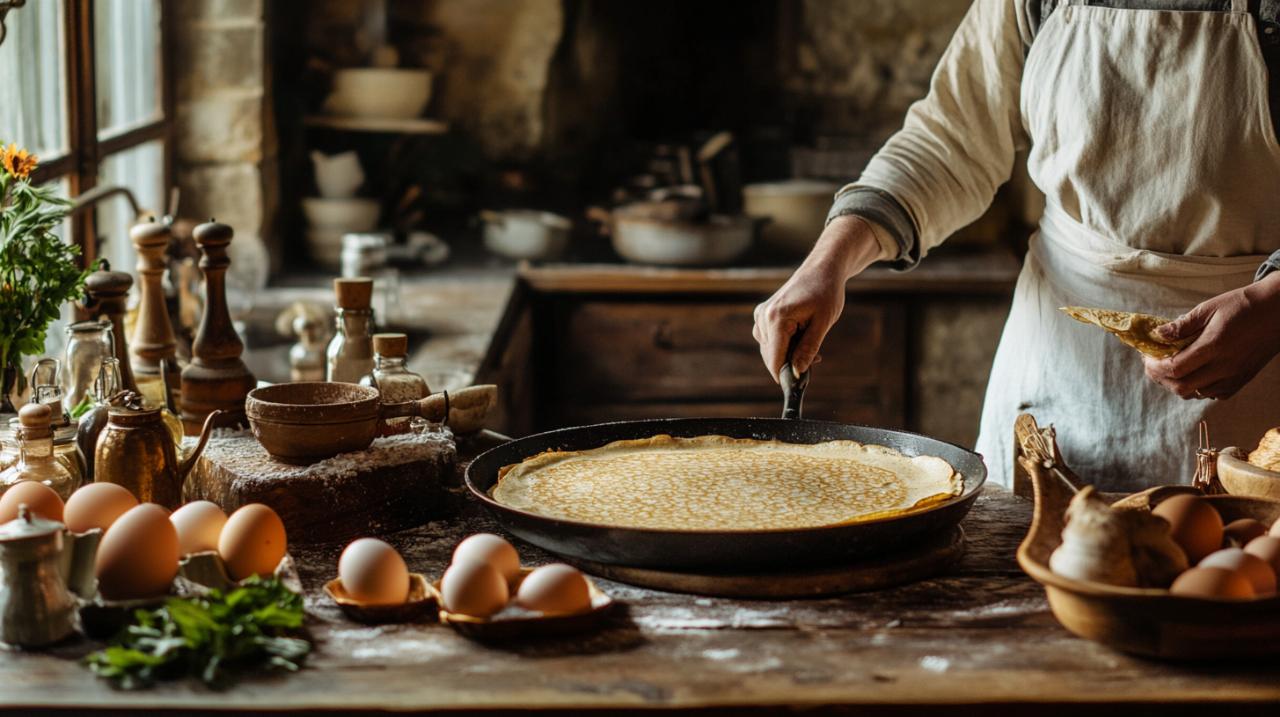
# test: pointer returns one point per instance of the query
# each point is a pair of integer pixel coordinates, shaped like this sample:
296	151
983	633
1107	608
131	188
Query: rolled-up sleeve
957	145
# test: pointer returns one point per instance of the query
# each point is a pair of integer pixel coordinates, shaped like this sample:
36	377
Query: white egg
491	549
373	573
473	588
199	526
555	589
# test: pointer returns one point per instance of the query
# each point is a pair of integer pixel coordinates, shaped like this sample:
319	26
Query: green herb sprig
207	637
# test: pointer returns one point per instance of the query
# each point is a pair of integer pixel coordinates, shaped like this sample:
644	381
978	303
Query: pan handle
793	385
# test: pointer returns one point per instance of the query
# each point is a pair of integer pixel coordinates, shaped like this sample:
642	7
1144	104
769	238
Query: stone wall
225	133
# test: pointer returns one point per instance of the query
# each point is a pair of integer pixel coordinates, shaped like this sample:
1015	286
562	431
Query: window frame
85	151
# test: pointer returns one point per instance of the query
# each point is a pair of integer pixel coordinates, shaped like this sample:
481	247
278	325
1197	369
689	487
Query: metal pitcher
36	609
135	450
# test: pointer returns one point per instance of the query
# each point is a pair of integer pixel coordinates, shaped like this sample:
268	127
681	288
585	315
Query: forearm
1265	292
847	246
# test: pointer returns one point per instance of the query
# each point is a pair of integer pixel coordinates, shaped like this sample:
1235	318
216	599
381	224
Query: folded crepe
1136	330
1267	454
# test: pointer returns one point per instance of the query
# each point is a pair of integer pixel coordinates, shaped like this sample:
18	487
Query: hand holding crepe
1133	329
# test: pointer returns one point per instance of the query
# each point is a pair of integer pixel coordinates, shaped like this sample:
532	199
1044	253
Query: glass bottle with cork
394	381
350	354
36	459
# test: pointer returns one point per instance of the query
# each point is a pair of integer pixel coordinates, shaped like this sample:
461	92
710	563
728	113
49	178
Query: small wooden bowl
1240	477
1147	621
422	601
304	422
515	623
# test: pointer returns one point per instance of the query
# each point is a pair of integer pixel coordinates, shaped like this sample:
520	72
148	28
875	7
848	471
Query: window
84	85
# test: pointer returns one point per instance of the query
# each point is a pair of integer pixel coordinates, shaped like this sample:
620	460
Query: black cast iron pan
721	550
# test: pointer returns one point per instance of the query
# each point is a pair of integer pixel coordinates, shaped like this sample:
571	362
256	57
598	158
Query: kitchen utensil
135	450
720	174
338	176
343	215
379	93
154	348
1240	477
525	234
423	604
36	609
797	212
216	380
107	295
304	422
727	551
638	237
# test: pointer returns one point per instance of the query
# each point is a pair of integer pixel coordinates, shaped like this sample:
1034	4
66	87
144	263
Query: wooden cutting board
396	483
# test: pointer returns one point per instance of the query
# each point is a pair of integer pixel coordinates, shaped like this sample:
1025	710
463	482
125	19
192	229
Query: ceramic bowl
385	93
325	246
1240	477
341	215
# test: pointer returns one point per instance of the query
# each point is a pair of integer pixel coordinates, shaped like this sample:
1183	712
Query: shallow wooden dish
1240	477
1145	621
515	623
423	601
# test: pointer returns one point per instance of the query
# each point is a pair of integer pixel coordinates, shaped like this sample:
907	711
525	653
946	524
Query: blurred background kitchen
579	200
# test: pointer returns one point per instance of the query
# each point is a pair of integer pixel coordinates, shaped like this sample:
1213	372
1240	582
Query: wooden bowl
304	422
514	623
423	601
1240	477
1147	621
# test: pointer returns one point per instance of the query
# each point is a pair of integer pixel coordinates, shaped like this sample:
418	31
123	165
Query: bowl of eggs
374	586
486	594
1168	573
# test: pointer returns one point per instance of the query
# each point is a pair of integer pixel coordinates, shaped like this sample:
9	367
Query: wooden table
980	638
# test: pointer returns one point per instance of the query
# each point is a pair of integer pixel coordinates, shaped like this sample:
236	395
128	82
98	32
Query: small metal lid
28	525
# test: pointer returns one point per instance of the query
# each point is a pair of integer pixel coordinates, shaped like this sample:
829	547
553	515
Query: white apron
1152	140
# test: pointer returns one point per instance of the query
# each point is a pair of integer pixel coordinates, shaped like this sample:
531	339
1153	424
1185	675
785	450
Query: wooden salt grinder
155	351
108	295
216	379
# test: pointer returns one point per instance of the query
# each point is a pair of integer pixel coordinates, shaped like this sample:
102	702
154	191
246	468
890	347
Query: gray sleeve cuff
879	206
1271	264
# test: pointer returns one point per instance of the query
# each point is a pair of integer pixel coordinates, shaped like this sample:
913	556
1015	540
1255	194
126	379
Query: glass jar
350	354
36	458
88	344
65	449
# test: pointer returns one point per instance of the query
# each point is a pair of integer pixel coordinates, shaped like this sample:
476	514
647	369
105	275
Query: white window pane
127	46
32	78
55	341
141	171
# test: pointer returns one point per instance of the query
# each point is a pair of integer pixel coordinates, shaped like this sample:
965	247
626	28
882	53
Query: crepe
721	483
1267	454
1136	330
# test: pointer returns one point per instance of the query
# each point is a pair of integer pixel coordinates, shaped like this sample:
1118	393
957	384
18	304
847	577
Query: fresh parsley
252	625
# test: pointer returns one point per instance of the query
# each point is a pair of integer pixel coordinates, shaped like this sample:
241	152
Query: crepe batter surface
721	483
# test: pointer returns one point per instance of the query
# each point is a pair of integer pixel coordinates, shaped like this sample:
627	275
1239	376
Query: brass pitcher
136	450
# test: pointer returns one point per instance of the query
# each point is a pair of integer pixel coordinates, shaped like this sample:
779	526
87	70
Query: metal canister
36	609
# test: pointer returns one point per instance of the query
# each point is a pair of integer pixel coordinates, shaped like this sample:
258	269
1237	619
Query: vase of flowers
38	271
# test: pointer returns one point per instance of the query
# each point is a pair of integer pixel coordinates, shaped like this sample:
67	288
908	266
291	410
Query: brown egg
474	588
252	542
1218	583
555	589
40	498
491	549
1241	531
1268	548
97	505
199	525
138	555
373	573
1260	573
1193	523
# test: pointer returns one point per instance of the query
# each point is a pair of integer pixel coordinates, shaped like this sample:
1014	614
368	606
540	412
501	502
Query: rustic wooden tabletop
979	638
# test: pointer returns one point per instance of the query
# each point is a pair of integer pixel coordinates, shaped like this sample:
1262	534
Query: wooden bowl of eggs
485	594
1167	573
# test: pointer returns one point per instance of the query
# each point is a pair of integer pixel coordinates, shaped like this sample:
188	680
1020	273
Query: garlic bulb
1128	548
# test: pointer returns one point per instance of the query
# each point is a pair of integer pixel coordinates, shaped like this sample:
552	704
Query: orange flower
18	162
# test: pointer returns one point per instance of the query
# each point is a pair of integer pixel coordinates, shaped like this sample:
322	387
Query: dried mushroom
1128	548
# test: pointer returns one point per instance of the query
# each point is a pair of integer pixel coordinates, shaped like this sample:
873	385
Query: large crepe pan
728	550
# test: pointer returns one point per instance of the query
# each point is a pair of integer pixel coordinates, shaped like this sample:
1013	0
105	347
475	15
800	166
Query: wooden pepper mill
216	379
107	294
153	347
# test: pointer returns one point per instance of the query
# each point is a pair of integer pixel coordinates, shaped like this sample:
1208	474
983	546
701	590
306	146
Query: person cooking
1149	128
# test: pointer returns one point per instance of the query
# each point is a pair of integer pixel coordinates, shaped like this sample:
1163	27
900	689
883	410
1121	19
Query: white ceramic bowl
386	93
325	247
341	215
